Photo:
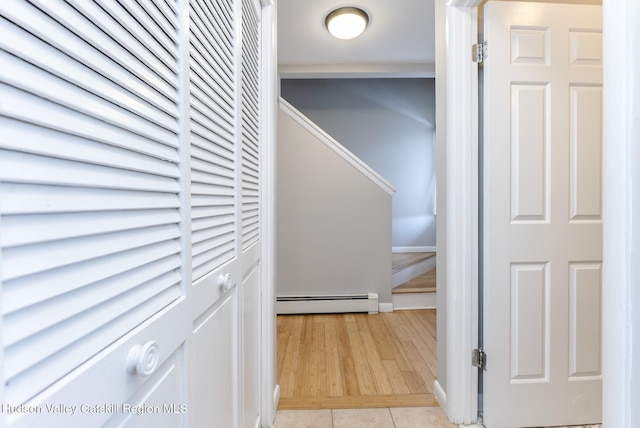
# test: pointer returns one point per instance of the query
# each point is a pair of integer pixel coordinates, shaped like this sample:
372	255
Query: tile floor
404	417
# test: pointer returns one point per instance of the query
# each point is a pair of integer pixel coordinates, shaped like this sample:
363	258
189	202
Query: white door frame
459	397
621	174
269	389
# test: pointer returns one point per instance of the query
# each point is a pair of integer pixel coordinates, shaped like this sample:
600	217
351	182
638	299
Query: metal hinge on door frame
479	52
479	358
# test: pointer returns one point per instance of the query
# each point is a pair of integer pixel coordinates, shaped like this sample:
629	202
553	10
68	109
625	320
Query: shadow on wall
388	124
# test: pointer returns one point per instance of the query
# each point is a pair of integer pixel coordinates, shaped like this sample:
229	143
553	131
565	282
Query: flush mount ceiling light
346	22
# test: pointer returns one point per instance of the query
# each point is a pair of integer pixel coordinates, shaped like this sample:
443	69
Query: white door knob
143	359
224	281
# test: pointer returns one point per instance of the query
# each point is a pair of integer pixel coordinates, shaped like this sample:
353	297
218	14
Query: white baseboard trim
440	395
413	249
385	307
276	396
414	301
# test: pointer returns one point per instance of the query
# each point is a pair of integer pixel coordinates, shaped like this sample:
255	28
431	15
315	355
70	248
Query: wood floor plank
415	383
318	369
398	383
281	343
424	342
303	372
356	360
347	365
287	377
420	365
363	371
383	337
356	402
380	378
334	374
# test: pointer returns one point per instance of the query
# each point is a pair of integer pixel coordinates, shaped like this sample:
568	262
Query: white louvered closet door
92	246
213	59
250	231
225	133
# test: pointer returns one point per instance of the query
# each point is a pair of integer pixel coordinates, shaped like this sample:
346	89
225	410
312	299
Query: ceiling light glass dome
346	22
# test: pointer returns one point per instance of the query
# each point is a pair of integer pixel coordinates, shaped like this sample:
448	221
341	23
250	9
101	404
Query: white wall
332	222
389	124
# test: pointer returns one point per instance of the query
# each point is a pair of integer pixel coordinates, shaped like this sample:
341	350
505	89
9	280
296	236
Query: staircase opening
413	280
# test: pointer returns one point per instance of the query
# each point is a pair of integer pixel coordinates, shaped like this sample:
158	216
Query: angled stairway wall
333	230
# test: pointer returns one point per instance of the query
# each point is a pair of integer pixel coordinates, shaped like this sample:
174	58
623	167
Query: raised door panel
214	366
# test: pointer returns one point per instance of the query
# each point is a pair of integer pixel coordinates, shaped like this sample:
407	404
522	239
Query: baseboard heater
319	304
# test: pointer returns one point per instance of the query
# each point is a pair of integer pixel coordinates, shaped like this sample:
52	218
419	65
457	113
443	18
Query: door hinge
479	358
479	52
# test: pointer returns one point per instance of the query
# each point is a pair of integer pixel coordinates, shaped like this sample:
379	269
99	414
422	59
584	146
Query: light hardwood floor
338	361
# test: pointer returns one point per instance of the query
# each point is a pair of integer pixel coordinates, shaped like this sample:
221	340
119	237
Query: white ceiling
399	40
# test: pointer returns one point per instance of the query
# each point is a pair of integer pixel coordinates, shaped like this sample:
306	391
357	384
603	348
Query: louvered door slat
89	181
68	26
162	36
250	124
213	153
201	91
37	258
168	8
126	28
15	136
123	314
209	32
213	134
211	60
23	75
48	58
26	230
215	28
208	105
209	255
162	275
27	199
70	173
204	139
72	47
209	123
29	108
159	11
81	100
38	288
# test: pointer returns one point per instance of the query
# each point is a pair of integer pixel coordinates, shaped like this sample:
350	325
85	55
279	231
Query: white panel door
542	214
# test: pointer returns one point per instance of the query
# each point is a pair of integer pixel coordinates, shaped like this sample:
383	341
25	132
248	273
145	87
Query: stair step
407	266
425	283
403	260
